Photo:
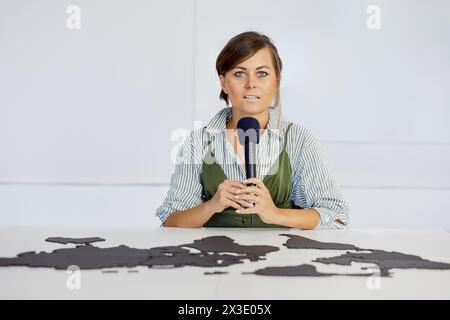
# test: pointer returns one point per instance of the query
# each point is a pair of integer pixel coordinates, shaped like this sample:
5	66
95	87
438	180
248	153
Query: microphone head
248	127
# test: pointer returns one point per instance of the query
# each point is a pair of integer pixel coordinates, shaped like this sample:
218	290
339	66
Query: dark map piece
385	260
299	242
225	244
215	251
216	272
91	257
303	270
63	240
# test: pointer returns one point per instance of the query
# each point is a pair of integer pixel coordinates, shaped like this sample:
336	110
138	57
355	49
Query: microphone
248	134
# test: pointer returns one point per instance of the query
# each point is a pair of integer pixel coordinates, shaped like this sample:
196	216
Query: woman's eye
240	74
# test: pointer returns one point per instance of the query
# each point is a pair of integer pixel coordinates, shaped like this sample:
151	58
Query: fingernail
245	181
237	191
236	197
238	211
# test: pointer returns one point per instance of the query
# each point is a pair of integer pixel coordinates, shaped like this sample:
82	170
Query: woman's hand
224	197
260	196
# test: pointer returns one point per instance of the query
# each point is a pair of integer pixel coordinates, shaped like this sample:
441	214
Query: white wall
87	116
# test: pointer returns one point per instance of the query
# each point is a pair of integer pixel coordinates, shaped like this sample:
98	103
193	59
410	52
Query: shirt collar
218	122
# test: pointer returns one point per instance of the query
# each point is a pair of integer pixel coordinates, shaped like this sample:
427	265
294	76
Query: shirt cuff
328	219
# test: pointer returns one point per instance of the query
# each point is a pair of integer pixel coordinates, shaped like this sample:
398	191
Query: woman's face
252	84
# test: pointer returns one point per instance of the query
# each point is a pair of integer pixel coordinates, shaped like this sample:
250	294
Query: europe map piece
215	251
225	244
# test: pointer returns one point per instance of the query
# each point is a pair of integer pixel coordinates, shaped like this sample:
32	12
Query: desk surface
190	282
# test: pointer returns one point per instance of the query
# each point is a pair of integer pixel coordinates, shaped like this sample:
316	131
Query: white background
90	118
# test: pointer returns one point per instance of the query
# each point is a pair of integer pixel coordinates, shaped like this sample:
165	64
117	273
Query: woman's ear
223	84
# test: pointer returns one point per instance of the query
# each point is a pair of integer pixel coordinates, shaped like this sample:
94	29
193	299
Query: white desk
191	282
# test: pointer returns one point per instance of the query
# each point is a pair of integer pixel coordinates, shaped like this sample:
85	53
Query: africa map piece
303	270
91	257
63	240
299	242
385	260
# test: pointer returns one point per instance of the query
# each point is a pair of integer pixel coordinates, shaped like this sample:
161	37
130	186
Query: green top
279	185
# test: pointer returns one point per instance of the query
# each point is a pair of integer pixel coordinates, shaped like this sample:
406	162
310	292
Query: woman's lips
254	98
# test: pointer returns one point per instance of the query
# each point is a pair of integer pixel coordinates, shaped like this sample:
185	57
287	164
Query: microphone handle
250	163
250	160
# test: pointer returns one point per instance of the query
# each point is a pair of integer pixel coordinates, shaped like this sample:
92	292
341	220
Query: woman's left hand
260	196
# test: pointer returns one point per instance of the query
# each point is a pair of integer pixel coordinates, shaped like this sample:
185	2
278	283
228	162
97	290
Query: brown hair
242	47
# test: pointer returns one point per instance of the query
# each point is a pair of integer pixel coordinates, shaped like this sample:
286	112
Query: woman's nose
251	82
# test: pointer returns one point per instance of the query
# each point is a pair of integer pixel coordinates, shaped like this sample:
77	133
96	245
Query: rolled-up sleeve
185	190
315	187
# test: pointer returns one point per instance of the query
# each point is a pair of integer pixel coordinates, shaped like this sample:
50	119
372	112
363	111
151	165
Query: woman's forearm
194	217
299	218
197	216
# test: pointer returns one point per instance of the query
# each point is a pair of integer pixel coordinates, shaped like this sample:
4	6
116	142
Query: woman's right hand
224	197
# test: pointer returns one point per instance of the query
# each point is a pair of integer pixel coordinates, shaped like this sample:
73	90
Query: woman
294	187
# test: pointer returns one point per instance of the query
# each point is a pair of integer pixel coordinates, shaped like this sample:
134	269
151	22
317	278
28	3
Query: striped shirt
313	184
